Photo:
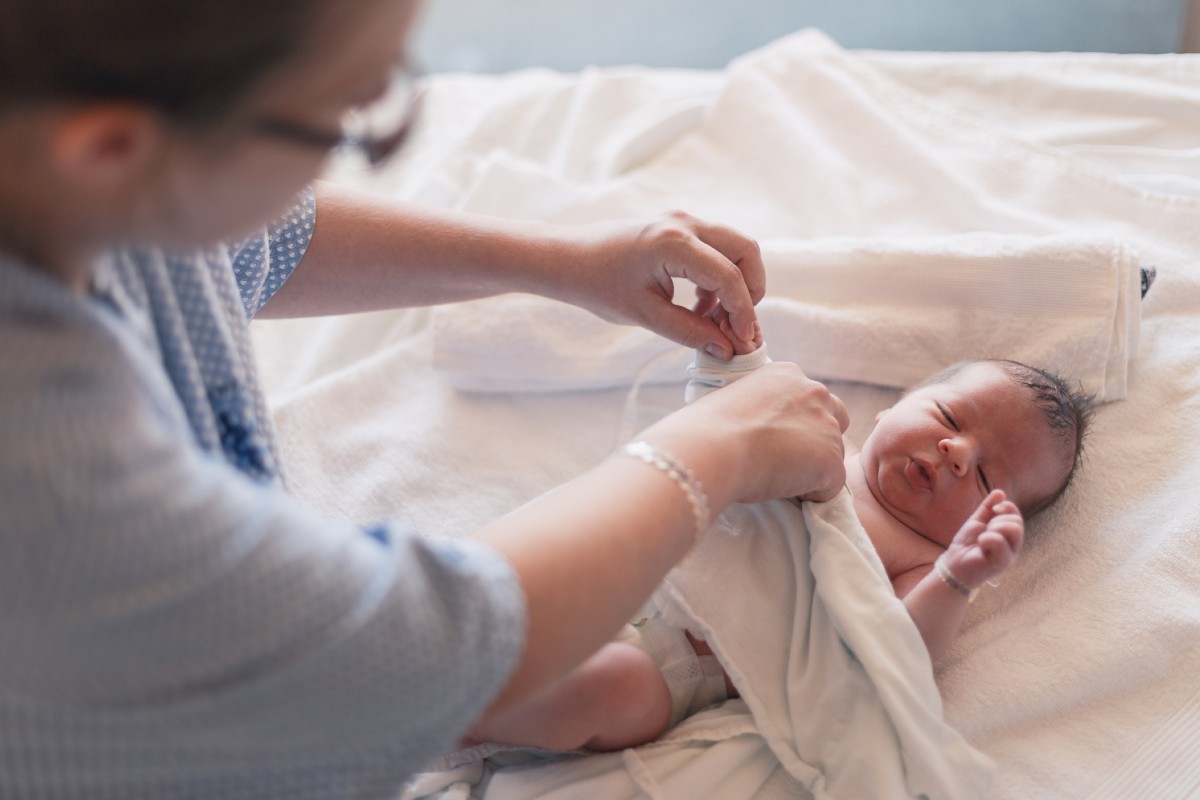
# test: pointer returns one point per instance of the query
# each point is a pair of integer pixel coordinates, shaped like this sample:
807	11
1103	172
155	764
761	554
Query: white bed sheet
1077	675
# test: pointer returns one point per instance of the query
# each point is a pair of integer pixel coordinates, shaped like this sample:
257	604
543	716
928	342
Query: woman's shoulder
49	334
70	374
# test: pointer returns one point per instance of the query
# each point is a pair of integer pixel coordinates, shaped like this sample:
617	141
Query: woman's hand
624	274
774	433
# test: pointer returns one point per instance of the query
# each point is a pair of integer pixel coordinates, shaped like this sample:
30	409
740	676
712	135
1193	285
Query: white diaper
695	682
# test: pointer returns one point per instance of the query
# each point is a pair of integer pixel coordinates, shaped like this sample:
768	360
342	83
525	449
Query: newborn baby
941	487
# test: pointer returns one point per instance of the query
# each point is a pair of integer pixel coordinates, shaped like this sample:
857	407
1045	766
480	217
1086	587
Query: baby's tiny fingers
1006	507
990	542
986	510
997	553
1015	534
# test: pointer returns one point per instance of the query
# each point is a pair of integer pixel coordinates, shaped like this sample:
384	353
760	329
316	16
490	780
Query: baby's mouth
920	475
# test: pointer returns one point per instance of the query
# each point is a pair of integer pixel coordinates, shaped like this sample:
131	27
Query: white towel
883	311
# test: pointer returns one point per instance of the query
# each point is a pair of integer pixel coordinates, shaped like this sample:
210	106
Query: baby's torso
900	551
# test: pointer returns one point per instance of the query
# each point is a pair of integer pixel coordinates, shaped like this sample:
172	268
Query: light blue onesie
172	624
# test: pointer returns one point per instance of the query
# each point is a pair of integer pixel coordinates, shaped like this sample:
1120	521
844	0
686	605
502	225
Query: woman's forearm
370	253
589	553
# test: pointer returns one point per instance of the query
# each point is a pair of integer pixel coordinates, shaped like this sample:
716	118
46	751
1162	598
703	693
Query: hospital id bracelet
951	580
676	471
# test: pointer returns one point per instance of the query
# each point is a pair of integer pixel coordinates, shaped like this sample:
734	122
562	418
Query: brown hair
192	60
1067	409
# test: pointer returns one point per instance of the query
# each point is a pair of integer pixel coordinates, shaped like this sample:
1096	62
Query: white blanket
1074	675
800	612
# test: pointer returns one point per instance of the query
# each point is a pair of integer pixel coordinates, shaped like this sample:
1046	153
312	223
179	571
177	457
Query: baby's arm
985	546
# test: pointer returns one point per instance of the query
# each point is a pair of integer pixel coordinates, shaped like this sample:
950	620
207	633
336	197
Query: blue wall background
501	35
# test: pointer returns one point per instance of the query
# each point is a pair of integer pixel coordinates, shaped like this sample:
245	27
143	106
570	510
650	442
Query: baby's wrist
955	581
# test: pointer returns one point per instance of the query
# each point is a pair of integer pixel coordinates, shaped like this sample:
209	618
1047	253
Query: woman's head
132	120
191	61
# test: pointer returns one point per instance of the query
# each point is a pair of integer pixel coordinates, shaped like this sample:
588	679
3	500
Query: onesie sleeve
262	262
173	630
708	373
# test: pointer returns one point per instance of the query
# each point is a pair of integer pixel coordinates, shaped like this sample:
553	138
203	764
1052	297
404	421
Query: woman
172	624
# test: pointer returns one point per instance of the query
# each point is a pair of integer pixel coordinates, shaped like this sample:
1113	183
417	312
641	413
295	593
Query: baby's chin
914	516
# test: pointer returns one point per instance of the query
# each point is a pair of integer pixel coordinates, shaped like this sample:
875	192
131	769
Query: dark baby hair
192	60
1066	408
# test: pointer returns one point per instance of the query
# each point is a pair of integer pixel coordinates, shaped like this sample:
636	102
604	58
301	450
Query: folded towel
883	311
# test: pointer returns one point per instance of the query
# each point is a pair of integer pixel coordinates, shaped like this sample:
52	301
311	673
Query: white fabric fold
884	311
824	655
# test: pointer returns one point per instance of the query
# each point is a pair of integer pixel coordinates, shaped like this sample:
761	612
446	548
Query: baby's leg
615	699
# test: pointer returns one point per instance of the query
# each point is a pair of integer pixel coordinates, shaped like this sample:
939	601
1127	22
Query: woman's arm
590	552
369	253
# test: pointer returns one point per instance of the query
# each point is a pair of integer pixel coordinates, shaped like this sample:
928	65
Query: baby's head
971	428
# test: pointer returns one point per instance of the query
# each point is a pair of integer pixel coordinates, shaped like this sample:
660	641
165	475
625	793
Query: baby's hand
988	542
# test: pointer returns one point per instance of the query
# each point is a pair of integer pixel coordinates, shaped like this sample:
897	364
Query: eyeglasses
375	130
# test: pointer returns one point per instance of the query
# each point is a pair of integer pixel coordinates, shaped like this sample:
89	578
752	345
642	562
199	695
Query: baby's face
935	455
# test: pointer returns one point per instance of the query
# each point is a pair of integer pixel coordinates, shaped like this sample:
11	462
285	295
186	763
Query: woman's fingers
684	326
624	273
736	289
720	261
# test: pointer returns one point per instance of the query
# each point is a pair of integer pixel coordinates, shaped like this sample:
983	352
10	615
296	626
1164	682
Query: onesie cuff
708	373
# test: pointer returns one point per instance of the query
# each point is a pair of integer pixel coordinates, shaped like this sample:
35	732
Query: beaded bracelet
951	580
676	471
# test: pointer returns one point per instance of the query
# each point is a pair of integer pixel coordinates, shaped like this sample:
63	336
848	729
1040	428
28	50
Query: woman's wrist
521	255
568	257
548	259
675	470
716	462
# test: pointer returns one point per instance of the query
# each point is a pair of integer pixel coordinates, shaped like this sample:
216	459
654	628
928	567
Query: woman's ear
104	147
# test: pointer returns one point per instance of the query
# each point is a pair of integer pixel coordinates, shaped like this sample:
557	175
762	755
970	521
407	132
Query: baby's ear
879	416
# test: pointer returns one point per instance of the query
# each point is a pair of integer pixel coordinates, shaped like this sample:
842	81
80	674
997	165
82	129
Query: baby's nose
959	453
